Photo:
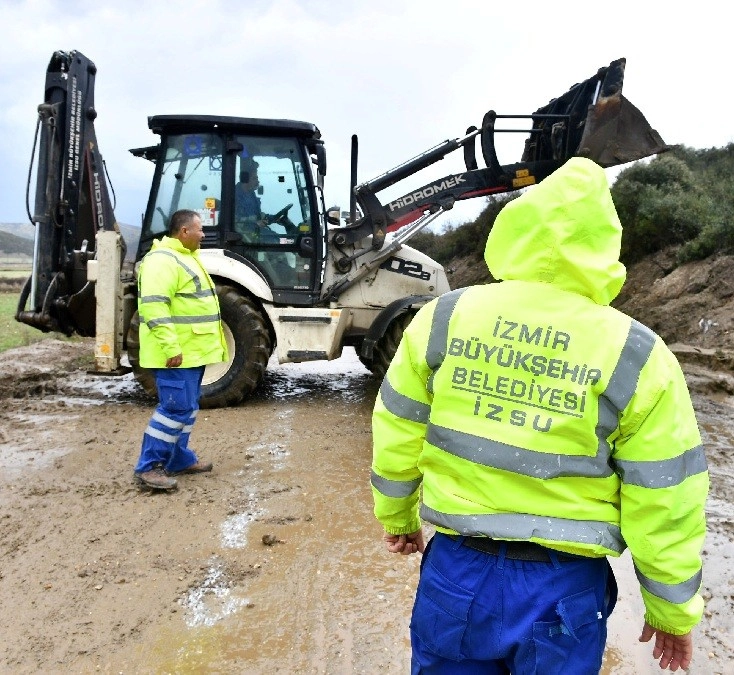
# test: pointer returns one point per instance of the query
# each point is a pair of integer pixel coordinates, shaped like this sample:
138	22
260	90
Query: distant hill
11	244
23	230
18	238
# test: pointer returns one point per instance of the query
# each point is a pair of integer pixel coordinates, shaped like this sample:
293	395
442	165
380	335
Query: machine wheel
387	345
144	377
249	345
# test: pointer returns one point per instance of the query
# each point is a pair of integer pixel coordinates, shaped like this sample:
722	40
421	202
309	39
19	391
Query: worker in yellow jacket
180	334
539	431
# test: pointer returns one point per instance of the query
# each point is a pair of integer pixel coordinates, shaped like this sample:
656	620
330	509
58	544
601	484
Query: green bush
660	204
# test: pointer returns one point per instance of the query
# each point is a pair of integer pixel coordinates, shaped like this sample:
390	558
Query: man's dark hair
248	168
179	219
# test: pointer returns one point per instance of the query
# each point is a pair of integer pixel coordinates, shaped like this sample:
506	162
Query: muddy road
271	563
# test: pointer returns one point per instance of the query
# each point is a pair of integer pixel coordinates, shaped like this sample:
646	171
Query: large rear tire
249	346
385	348
144	377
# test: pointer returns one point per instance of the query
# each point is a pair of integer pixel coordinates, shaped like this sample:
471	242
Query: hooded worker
539	430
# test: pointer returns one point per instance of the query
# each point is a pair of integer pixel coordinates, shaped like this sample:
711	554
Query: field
15	266
13	333
13	271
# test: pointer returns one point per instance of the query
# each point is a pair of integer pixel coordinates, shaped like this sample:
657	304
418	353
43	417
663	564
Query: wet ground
272	563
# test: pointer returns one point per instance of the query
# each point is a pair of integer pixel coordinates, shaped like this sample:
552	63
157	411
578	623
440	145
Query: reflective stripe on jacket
530	409
178	307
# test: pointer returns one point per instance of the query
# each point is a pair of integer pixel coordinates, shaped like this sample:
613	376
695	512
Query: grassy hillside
677	245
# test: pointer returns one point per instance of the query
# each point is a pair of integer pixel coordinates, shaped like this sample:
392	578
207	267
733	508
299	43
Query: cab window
191	178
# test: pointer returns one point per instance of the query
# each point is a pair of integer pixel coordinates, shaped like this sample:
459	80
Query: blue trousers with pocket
481	613
166	438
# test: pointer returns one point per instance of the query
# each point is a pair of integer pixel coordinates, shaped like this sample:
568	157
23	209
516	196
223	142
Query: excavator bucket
592	119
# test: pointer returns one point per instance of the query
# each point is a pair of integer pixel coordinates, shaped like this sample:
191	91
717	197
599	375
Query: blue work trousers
481	613
166	438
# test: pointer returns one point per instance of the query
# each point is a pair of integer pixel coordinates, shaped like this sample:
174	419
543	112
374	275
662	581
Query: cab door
272	212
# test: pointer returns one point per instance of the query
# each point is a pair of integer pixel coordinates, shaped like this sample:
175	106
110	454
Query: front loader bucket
592	119
616	132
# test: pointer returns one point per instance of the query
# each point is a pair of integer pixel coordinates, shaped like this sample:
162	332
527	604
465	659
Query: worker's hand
674	651
174	361
405	544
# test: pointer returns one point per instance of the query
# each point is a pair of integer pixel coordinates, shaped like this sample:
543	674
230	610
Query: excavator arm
592	119
72	202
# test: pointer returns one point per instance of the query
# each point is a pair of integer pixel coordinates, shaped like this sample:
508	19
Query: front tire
249	346
385	348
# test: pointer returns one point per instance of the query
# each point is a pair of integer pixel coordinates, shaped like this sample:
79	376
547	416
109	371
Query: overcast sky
403	75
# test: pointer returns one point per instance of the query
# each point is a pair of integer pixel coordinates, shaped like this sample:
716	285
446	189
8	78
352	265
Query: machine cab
252	183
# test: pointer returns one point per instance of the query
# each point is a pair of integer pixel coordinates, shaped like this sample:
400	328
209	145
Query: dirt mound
35	370
692	304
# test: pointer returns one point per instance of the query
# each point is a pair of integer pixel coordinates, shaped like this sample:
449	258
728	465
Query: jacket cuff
407	529
667	628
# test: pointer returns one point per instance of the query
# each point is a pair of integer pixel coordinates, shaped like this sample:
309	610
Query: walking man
539	431
180	333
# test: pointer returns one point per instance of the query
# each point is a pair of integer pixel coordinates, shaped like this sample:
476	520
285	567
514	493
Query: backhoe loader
297	279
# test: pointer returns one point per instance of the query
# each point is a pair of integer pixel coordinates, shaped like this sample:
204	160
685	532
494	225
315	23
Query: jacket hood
564	231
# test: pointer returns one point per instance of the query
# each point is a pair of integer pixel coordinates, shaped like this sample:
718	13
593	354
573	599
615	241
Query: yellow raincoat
178	307
530	409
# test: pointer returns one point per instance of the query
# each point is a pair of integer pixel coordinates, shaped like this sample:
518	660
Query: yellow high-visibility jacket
178	307
530	409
